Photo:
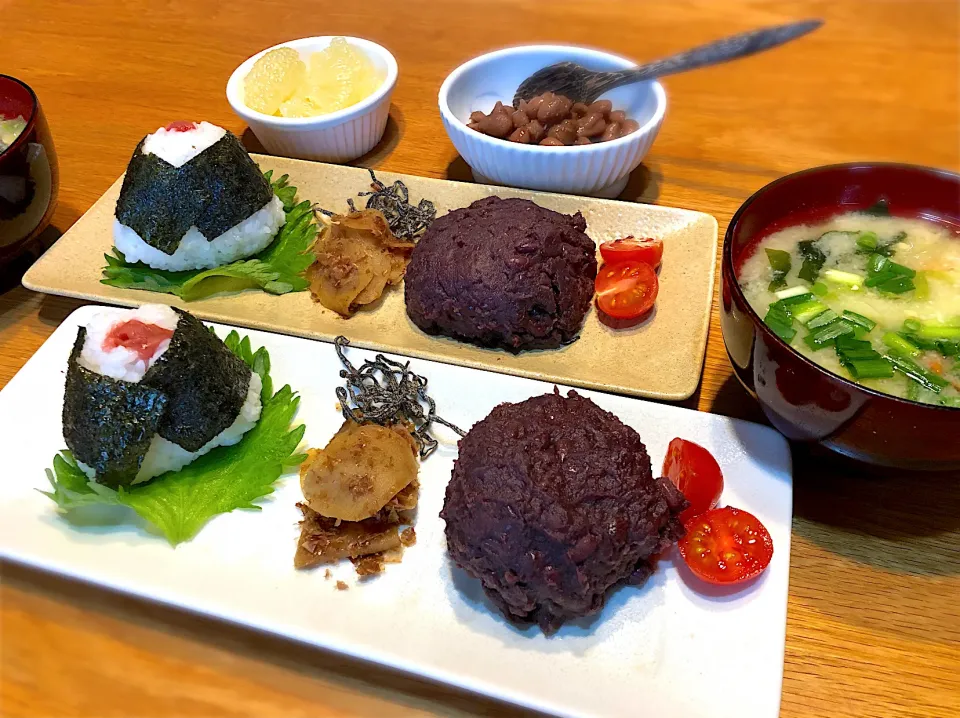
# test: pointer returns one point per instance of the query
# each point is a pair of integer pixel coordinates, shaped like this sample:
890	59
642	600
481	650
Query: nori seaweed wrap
107	423
214	191
206	382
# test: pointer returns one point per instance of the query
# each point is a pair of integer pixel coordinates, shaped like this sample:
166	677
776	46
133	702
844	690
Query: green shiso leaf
278	269
180	503
71	487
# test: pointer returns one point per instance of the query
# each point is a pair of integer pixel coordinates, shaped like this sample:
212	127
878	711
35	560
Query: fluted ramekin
601	169
339	136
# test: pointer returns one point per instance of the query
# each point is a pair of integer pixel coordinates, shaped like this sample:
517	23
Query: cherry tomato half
694	471
626	289
725	546
631	249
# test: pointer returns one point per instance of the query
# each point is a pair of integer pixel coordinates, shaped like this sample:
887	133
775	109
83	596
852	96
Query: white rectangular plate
666	649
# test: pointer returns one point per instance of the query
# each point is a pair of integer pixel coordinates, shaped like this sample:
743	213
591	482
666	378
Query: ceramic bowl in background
804	401
29	176
601	169
339	136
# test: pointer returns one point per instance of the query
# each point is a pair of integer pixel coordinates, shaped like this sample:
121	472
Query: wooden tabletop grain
873	625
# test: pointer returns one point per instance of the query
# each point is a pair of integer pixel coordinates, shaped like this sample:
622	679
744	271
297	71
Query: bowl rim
331	119
31	121
450	119
727	266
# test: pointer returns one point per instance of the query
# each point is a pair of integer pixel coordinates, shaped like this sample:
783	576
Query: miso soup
874	299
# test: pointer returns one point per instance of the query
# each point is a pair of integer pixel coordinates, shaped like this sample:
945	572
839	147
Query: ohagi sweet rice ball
150	390
503	273
193	198
552	503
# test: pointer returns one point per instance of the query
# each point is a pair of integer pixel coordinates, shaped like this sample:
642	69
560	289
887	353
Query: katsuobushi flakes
281	83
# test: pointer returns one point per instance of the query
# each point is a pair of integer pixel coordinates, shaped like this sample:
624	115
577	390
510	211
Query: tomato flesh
694	471
631	249
144	339
626	290
725	546
181	126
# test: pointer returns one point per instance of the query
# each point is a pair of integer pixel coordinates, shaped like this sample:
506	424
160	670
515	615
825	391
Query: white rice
120	362
177	147
164	456
194	251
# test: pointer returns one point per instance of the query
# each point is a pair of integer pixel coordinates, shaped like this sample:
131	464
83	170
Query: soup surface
875	299
10	130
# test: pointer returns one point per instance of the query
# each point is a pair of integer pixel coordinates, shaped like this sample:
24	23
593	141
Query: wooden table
873	626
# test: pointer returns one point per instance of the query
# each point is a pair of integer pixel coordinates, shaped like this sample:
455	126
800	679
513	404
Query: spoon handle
713	53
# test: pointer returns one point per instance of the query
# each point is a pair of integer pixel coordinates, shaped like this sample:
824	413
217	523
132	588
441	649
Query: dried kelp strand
405	220
386	392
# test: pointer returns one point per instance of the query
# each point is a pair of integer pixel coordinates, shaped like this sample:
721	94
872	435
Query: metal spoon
583	85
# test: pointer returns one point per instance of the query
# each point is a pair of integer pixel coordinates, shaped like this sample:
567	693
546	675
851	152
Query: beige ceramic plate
660	358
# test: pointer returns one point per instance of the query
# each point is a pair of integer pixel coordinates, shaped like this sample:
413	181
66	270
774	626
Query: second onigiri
193	198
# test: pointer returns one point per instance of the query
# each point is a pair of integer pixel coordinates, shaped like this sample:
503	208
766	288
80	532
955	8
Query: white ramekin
601	169
337	137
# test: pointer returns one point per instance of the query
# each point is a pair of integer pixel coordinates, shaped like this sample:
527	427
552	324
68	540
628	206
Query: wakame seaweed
214	191
779	266
108	424
206	384
813	260
880	208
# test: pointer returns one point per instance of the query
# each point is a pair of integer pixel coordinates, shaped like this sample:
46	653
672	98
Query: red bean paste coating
503	273
552	503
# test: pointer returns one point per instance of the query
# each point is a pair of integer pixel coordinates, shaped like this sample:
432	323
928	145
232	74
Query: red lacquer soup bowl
29	178
804	401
